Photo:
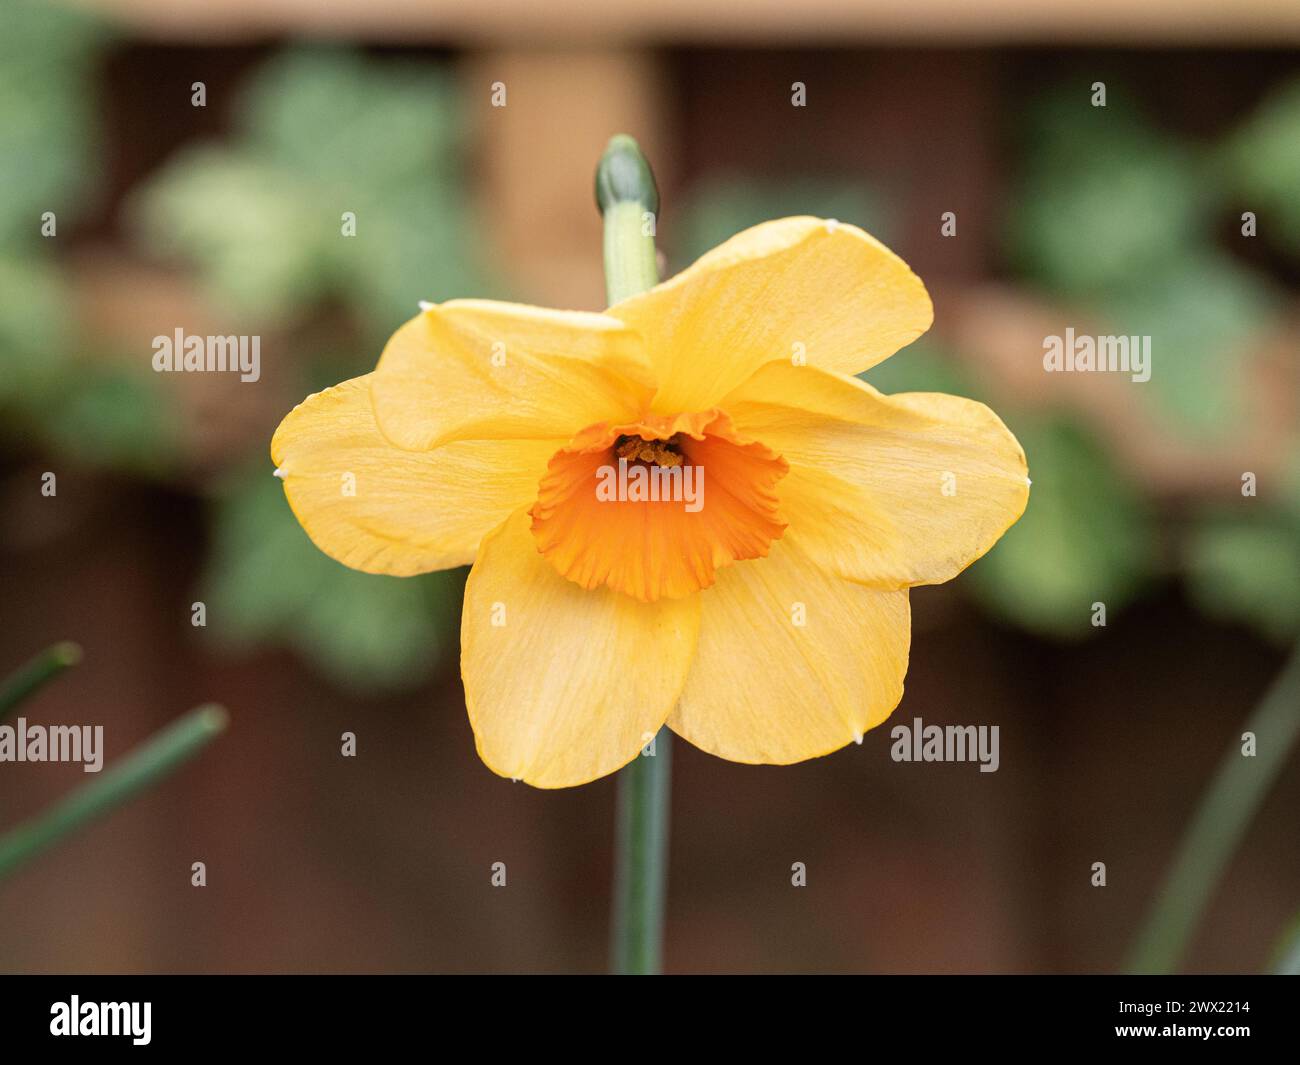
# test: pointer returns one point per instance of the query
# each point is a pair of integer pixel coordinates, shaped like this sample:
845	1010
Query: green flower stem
42	669
1239	786
629	257
641	875
629	201
151	761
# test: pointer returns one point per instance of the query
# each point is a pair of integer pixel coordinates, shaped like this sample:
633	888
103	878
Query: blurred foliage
922	366
266	581
1248	568
1106	199
1202	315
48	142
721	207
35	343
1243	561
109	415
320	133
1120	219
1086	537
91	409
1286	954
47	52
1261	163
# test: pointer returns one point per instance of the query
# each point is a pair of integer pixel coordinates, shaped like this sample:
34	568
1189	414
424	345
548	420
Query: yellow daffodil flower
770	624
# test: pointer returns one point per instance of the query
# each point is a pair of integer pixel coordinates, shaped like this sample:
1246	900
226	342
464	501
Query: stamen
651	452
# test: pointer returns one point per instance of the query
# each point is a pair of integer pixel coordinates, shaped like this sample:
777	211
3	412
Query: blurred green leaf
266	581
1086	537
47	145
324	132
260	236
143	767
1117	215
1290	493
32	676
922	366
1223	816
321	132
1262	162
113	416
1246	567
1106	199
1201	316
47	140
34	341
344	122
722	207
1286	953
415	248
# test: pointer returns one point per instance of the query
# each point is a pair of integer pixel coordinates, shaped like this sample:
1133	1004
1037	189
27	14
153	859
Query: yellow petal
480	369
377	508
889	490
792	662
794	288
564	685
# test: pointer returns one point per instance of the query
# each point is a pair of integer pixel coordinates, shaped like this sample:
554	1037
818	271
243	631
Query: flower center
655	508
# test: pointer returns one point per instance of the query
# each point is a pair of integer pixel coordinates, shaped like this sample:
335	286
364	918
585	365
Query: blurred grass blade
148	763
1287	960
1239	786
42	669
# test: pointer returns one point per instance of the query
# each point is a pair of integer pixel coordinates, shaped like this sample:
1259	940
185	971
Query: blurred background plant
1121	219
258	216
49	142
326	142
145	767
